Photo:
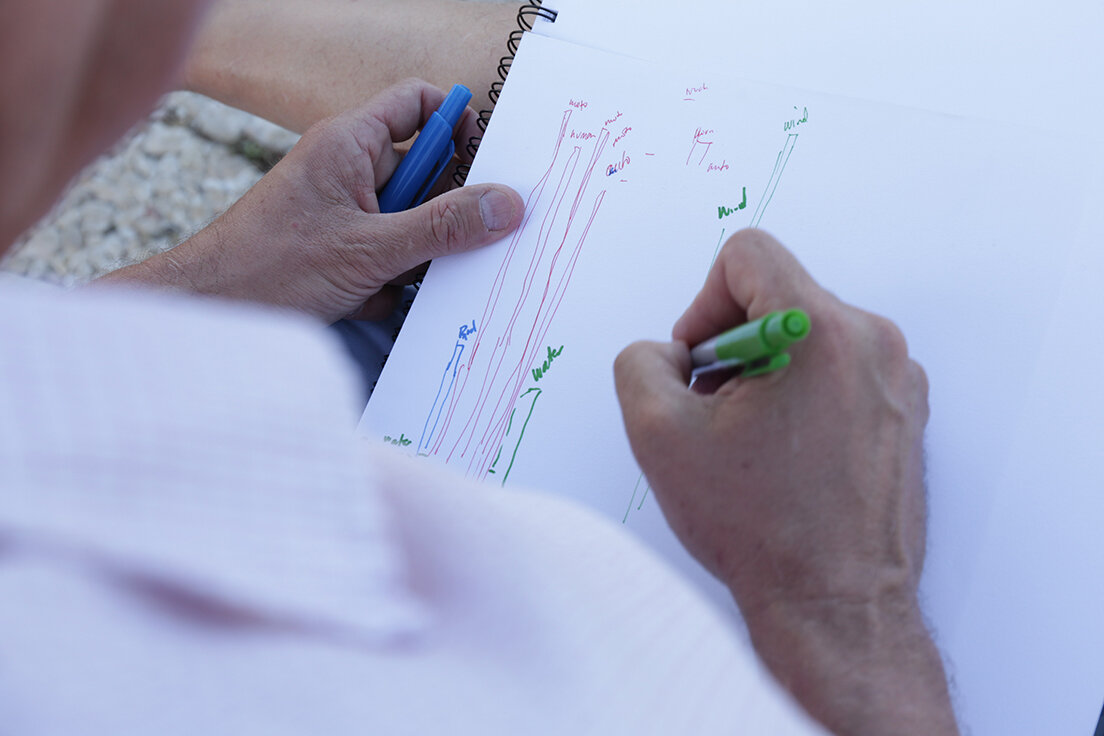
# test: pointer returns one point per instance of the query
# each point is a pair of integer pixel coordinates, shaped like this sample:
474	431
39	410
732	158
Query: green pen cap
761	342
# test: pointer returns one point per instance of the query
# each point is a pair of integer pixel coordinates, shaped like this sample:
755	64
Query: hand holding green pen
754	347
801	490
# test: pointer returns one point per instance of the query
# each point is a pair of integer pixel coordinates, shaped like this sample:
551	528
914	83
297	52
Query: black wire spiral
526	17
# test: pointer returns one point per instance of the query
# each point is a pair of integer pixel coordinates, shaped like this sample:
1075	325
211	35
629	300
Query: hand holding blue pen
428	157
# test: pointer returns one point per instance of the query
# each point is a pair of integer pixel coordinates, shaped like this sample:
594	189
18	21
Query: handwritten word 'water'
618	166
723	212
539	371
791	124
400	441
466	332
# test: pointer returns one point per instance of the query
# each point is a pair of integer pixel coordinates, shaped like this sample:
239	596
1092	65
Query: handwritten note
634	176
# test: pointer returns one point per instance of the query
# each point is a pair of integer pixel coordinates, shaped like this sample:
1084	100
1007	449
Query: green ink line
521	433
776	177
633	499
509	426
717	252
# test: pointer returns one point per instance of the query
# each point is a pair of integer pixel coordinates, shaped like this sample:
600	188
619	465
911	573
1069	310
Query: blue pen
428	157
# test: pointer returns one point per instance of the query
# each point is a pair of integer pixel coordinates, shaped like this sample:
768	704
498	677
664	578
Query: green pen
755	347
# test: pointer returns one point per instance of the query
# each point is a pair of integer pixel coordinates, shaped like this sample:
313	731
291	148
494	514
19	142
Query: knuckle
447	224
888	338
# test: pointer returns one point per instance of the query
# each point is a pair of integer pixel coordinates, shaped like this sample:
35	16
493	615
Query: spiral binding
526	17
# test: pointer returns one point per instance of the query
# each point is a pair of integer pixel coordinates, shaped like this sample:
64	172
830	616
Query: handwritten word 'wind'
723	212
791	124
400	441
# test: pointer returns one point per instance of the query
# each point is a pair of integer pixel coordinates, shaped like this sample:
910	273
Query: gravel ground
173	174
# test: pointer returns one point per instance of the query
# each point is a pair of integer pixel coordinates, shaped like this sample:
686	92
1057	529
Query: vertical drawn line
717	250
521	434
477	411
776	176
780	162
531	207
632	500
454	364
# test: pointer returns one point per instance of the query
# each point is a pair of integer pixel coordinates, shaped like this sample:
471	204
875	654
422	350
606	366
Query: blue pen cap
453	106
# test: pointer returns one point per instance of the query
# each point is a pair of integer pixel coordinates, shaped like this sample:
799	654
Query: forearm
858	667
192	267
298	61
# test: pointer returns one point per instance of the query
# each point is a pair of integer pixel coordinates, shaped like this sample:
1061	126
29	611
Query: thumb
457	221
652	381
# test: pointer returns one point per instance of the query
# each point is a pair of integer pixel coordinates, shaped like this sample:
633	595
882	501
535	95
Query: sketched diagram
641	489
486	376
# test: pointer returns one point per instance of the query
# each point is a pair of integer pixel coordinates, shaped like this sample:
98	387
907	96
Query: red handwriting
580	104
611	120
582	136
624	133
699	140
691	91
619	165
715	167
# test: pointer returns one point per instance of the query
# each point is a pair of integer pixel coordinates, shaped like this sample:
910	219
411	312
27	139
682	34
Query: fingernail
496	209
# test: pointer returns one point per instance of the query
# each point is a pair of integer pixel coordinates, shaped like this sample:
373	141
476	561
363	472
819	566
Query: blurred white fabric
192	541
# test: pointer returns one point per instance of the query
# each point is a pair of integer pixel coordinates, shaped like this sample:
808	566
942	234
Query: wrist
858	665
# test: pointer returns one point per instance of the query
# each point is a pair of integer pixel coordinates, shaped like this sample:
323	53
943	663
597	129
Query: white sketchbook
961	232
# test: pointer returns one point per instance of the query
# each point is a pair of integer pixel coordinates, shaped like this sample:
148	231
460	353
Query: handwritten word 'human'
400	441
723	212
580	104
618	166
791	124
582	136
539	371
621	137
466	332
714	167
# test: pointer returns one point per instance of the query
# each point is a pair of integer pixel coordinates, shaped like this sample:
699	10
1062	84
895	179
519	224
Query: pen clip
745	369
446	156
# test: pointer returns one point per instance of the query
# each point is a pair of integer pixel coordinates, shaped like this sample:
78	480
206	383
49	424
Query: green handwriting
539	371
723	212
400	441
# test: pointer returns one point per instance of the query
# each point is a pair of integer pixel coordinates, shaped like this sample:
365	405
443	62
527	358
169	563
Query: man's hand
802	490
310	237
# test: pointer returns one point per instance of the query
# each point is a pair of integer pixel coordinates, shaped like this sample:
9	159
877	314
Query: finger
753	275
380	305
390	117
460	220
651	380
467	129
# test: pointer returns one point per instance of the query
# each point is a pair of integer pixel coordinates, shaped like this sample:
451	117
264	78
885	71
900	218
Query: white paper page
1030	62
1032	615
960	232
